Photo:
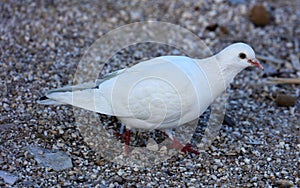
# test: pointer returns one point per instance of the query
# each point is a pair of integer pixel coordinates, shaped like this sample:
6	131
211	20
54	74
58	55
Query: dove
161	93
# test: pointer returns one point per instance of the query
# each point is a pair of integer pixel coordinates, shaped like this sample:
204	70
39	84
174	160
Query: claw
183	148
188	149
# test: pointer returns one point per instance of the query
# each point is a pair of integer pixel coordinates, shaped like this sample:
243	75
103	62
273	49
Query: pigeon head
239	55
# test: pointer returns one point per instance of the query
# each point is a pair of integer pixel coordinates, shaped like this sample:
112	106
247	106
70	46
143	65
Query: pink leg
127	141
125	137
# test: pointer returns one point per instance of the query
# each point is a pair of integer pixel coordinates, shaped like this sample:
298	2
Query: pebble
120	172
284	100
295	61
61	131
247	161
259	15
152	145
284	184
8	177
235	2
56	160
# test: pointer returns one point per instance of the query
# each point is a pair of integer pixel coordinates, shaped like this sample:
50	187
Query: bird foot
121	136
183	148
188	149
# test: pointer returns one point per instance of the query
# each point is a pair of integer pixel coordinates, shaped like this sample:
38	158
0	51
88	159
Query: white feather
163	92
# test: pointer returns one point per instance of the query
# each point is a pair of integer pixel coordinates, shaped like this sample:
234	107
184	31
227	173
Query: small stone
135	169
60	144
113	20
284	172
8	177
94	176
60	131
259	15
243	150
152	145
269	70
120	172
247	161
51	44
281	144
235	2
283	100
284	184
163	150
254	179
289	44
295	61
118	179
73	135
135	15
56	160
7	126
212	27
187	15
224	30
214	177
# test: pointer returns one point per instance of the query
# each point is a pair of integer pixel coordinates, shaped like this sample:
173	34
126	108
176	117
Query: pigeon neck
214	75
229	65
228	72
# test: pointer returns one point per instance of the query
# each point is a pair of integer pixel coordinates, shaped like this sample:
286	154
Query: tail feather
86	95
83	86
89	99
46	101
87	85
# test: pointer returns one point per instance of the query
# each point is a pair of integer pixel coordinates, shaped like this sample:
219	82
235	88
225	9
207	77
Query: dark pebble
259	15
284	100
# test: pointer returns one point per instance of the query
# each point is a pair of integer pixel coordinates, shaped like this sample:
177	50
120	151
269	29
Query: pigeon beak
255	62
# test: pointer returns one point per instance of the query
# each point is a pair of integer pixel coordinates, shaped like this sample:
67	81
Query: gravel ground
42	43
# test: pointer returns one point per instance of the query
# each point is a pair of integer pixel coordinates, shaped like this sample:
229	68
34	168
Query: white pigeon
160	93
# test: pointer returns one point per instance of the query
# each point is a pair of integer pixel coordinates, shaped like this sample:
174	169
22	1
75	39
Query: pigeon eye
242	55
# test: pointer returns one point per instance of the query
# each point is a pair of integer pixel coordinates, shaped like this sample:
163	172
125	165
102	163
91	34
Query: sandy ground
42	43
